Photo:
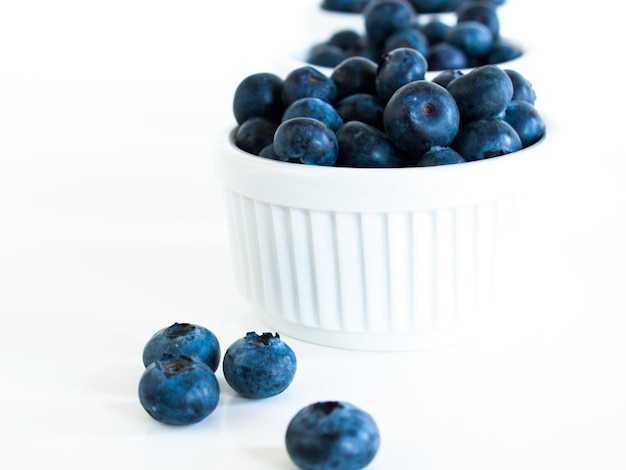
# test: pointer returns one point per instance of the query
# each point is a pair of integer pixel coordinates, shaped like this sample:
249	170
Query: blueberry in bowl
397	243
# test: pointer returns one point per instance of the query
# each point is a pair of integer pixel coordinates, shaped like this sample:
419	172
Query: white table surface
112	227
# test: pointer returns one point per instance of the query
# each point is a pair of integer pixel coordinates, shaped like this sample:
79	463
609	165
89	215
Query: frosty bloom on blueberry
332	435
178	390
183	339
259	366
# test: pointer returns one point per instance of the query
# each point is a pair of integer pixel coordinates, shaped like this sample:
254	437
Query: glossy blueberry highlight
178	390
183	339
332	435
259	366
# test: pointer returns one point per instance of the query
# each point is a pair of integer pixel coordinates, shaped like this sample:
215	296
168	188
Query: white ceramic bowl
375	259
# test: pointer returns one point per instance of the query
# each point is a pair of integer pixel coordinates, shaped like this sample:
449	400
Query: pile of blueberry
179	387
387	114
471	40
421	6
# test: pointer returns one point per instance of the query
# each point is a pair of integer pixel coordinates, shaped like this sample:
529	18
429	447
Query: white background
112	227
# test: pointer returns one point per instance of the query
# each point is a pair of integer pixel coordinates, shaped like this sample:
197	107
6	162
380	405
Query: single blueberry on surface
307	140
486	138
420	115
364	146
482	92
259	366
526	121
178	390
258	95
184	339
332	435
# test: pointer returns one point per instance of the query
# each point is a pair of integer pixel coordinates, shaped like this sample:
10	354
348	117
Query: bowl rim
384	189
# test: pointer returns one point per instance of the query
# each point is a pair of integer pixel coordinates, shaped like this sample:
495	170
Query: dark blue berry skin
408	37
306	140
326	55
314	108
482	92
254	134
364	146
445	56
332	435
502	51
482	12
383	17
522	88
444	77
259	366
362	107
348	40
434	6
486	138
420	115
308	81
472	37
345	6
355	74
435	30
397	68
526	121
440	156
269	153
258	95
178	390
184	339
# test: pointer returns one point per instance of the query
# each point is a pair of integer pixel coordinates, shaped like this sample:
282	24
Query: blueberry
178	390
434	6
419	115
397	68
183	339
408	37
308	81
364	146
254	134
258	95
346	6
526	121
440	156
472	37
259	366
348	40
445	56
444	77
362	107
503	51
355	74
314	108
482	12
482	92
332	435
307	140
486	138
326	55
522	88
435	30
383	17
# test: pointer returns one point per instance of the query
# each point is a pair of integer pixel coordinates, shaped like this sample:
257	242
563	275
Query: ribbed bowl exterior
394	279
